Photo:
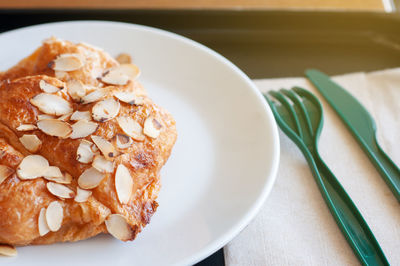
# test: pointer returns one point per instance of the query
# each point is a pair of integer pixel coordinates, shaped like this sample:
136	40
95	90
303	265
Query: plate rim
270	177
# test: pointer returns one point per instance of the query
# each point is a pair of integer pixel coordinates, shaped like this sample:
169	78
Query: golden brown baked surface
21	200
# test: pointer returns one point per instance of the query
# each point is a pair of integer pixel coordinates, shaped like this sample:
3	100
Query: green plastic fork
299	114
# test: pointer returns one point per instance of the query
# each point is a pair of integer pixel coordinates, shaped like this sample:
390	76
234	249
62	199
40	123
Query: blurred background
363	5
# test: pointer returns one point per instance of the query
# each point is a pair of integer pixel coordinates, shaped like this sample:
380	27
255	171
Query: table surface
372	5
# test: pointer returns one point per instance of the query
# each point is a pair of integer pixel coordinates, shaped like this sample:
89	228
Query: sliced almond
42	223
47	87
5	172
129	97
131	127
7	250
61	75
152	127
123	184
106	148
55	127
32	166
77	115
131	70
64	117
115	78
31	142
51	104
52	172
67	179
102	165
54	216
121	74
26	127
76	89
94	96
90	178
118	227
125	96
41	117
82	195
55	177
85	152
124	58
60	190
94	149
105	110
67	62
123	141
83	128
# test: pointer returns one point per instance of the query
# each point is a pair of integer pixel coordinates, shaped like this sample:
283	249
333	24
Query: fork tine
307	95
295	98
278	96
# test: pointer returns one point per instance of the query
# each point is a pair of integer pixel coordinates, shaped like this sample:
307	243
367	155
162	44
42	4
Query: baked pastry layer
21	201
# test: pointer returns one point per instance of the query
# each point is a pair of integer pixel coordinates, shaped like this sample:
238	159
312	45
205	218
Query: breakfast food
81	147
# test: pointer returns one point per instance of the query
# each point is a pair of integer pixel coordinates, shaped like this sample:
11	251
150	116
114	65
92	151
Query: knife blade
361	125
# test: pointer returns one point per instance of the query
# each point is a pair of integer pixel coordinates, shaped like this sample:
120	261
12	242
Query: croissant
81	147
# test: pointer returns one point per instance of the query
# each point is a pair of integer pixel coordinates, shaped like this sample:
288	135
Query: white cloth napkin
294	227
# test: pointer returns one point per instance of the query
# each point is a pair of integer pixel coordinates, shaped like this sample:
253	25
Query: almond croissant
81	147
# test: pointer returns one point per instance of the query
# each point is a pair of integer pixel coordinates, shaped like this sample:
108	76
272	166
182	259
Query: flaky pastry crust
22	200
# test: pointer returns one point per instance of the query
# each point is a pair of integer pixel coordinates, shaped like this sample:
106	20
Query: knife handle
348	218
385	166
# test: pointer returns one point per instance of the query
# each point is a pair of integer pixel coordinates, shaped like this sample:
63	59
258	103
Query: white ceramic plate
222	167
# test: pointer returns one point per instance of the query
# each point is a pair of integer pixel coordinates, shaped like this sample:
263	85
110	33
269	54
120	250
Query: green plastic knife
361	125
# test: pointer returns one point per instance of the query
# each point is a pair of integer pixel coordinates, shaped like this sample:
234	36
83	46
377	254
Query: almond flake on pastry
82	195
119	228
26	127
58	177
131	127
76	89
124	58
47	87
83	128
42	223
78	115
120	75
55	127
90	178
103	165
31	142
152	127
123	141
94	96
51	104
60	190
106	147
54	216
8	250
44	116
123	184
32	166
105	110
67	62
85	152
